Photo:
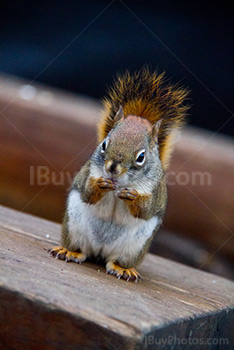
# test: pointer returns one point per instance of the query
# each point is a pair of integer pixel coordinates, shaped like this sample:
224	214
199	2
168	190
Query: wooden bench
49	304
41	126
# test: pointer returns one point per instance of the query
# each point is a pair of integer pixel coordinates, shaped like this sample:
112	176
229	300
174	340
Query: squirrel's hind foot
64	254
127	274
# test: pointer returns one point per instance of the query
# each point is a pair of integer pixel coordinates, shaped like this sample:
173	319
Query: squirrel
118	199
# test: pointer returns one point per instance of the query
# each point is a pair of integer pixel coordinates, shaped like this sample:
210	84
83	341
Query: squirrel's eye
140	159
103	146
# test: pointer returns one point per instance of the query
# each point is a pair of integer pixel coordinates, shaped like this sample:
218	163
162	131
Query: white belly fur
107	228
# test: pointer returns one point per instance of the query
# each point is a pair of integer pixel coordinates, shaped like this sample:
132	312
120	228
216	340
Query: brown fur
95	192
128	137
146	99
97	188
65	237
137	204
91	189
145	206
145	94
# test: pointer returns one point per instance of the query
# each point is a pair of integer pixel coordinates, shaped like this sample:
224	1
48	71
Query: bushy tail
146	94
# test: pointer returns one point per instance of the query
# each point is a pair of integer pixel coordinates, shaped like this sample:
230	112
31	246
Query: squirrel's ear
119	115
155	129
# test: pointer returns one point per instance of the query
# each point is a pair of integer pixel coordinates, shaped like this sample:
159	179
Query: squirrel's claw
128	194
64	254
106	184
127	274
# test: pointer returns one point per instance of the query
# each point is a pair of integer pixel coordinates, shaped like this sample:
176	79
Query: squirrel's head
129	151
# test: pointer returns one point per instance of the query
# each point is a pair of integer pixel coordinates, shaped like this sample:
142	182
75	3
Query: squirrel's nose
113	167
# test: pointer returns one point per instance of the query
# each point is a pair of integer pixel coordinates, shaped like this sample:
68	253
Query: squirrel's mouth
119	178
114	180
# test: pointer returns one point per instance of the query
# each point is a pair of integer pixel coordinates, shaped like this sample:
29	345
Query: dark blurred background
80	45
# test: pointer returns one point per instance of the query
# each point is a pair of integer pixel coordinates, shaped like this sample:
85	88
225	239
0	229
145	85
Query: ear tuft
119	115
155	129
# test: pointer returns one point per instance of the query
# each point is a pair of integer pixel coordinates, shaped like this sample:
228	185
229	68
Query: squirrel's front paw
106	184
128	194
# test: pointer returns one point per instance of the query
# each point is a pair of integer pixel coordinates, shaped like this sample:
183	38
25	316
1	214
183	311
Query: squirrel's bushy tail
146	94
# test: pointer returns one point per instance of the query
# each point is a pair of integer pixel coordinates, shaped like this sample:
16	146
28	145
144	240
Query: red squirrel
118	199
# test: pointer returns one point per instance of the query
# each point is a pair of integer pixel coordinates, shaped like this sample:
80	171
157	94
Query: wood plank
59	132
205	203
48	304
42	128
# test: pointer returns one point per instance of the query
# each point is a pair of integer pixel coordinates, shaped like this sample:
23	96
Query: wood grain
49	304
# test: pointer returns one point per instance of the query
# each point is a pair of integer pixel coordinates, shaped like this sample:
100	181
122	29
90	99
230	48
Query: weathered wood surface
40	126
202	205
49	304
